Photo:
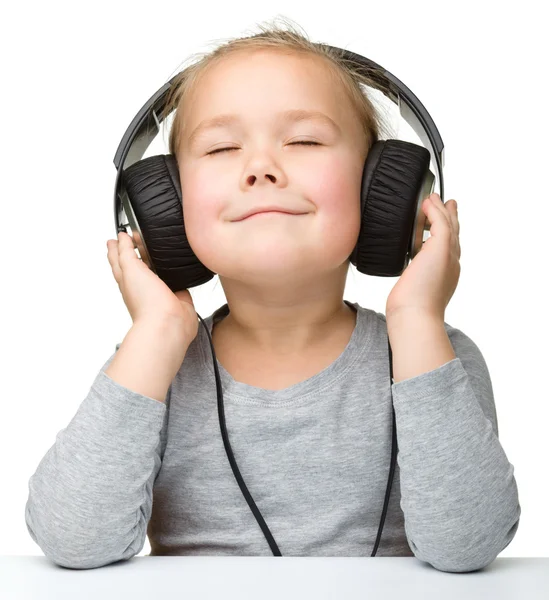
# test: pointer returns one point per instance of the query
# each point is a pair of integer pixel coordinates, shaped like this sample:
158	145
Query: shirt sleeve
458	492
90	498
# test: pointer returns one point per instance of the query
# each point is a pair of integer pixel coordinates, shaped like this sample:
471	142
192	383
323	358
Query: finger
452	209
455	224
437	215
112	256
126	252
439	205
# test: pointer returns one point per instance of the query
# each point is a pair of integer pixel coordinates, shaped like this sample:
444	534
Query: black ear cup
395	180
154	192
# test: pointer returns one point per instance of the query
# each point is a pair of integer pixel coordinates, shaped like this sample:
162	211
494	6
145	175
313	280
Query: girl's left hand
430	280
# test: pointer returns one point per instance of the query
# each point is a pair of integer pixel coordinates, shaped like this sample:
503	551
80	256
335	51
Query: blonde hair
286	38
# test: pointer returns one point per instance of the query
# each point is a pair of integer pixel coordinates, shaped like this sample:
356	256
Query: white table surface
270	577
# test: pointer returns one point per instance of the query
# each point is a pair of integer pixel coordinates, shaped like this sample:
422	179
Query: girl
270	138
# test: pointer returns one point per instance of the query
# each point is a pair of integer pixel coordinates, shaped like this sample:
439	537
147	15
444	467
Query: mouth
269	212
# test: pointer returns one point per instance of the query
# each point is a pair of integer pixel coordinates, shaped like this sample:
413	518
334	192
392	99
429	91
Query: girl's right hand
145	295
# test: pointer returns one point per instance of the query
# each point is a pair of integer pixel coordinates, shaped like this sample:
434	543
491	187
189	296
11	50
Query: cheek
335	191
202	205
334	188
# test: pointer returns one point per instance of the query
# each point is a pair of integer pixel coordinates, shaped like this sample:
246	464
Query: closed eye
306	143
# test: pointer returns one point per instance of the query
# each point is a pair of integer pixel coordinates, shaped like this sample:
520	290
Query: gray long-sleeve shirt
315	457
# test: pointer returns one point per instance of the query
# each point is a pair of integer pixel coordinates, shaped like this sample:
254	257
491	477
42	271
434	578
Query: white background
75	75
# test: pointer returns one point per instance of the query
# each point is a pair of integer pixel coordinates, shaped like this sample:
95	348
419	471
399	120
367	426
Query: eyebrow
288	116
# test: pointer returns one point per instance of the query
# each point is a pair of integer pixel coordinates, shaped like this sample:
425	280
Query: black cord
258	516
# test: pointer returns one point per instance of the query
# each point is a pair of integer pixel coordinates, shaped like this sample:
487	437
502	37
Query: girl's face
262	165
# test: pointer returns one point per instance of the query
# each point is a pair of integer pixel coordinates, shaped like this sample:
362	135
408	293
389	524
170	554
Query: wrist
405	314
172	330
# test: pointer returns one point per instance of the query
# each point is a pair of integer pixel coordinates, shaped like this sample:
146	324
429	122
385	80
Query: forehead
264	81
279	63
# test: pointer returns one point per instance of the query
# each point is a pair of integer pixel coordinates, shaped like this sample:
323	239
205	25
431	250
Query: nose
262	169
251	178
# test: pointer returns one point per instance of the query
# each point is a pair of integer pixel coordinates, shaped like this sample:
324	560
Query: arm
419	345
149	357
90	499
458	492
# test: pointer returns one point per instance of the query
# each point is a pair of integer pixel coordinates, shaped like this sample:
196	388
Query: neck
281	333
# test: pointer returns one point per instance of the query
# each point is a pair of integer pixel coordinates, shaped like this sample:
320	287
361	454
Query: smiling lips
269	210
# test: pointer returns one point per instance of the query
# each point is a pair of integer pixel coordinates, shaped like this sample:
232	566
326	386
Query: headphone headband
145	126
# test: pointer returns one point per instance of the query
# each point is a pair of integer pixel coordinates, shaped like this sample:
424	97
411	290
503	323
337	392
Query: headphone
395	181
